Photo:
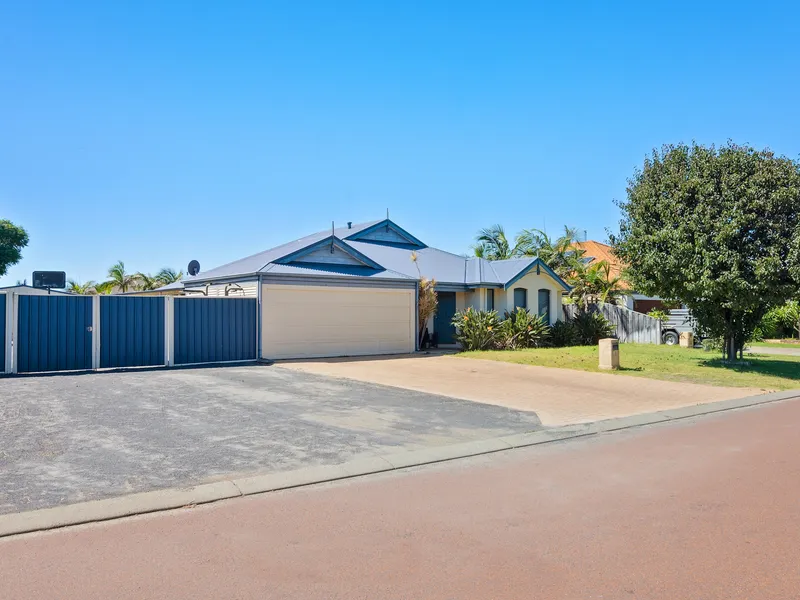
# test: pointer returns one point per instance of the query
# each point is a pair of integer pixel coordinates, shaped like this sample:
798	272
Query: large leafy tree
710	227
13	239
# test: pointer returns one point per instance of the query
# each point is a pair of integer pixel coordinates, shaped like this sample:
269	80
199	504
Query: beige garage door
305	321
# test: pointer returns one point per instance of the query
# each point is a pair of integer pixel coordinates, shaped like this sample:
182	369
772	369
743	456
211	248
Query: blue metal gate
55	333
131	331
215	330
2	333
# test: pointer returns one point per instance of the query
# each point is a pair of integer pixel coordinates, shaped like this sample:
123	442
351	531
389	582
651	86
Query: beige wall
533	283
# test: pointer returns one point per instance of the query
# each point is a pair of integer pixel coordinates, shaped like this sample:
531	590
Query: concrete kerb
160	500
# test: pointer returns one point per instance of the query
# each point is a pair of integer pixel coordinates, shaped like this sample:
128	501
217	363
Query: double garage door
312	321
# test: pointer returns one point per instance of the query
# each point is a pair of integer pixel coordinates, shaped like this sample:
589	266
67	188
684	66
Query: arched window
520	298
544	305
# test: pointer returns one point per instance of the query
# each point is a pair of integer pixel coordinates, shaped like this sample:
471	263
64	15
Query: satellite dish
194	268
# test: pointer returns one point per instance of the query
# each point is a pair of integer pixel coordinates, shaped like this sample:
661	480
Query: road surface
704	508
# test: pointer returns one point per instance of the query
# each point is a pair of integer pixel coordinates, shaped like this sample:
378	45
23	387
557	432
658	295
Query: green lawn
767	372
796	344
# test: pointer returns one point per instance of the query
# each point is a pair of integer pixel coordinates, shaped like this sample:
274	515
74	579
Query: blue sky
159	132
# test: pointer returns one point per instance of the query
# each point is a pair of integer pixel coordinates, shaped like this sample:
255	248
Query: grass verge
671	363
792	344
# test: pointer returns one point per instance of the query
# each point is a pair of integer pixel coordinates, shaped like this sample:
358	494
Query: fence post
169	331
14	332
95	332
8	319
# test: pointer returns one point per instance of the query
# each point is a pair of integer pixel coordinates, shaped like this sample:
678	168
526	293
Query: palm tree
119	279
593	283
147	282
104	288
494	245
559	254
168	275
87	288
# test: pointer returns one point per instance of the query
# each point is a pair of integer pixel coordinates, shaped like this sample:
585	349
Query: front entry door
442	323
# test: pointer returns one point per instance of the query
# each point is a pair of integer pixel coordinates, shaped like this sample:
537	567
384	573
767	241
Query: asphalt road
705	508
73	438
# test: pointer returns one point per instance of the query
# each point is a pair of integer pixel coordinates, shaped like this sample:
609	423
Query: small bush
591	327
661	315
476	330
563	334
522	329
712	344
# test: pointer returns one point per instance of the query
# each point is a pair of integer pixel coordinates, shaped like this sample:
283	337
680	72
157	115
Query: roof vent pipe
349	224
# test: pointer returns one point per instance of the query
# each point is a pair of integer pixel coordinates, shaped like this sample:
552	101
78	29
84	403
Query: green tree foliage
145	281
594	283
119	279
13	239
710	227
86	288
558	254
168	275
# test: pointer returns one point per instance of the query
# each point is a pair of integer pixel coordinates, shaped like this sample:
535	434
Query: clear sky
159	132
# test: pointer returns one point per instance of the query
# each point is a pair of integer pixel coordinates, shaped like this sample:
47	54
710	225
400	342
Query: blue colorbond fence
2	332
54	333
131	331
215	330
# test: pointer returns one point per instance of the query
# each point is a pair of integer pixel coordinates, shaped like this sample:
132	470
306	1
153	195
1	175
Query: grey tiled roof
444	267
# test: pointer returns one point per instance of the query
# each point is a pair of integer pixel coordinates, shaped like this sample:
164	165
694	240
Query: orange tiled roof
598	252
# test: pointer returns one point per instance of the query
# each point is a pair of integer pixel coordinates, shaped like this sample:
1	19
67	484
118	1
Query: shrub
476	330
562	334
590	327
661	315
712	344
522	329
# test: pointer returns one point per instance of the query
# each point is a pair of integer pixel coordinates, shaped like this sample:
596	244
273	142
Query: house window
544	305
489	299
520	298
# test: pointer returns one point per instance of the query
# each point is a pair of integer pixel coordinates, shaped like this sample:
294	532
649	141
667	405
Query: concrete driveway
72	438
557	396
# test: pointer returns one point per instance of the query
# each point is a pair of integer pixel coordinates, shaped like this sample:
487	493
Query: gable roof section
387	233
525	266
432	263
256	263
329	251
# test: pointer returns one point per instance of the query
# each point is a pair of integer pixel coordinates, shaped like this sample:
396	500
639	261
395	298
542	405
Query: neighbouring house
353	290
595	252
171	289
27	290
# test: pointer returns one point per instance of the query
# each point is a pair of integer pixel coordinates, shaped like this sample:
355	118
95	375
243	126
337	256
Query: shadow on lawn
759	364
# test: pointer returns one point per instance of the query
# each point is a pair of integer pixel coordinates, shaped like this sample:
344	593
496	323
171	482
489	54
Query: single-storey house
353	290
24	289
